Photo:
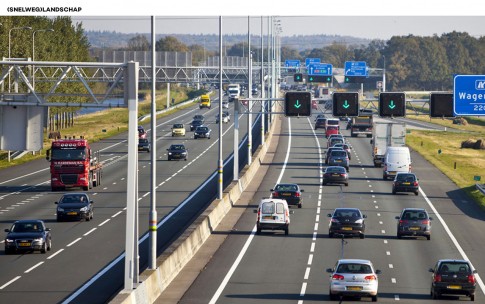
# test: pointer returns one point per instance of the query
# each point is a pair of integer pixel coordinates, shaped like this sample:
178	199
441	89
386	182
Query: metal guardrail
480	187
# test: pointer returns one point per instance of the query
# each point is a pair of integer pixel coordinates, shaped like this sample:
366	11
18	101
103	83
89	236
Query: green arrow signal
346	104
297	104
392	105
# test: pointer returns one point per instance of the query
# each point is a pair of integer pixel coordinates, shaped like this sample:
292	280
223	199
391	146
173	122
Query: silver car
354	278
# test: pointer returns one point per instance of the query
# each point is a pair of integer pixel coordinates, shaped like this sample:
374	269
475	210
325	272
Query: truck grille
69	179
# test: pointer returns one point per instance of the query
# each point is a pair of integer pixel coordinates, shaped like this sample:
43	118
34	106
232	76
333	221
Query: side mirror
7	230
378	271
397	217
56	203
431	270
474	271
271	189
292	211
47	229
329	215
302	190
364	216
255	211
371	141
91	202
430	218
330	270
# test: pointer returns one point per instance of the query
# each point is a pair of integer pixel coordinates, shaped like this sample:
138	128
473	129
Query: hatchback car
289	192
414	222
405	182
335	175
225	118
178	129
177	151
227	114
74	206
320	123
195	123
202	132
334	140
353	278
143	144
225	104
346	221
346	147
453	277
319	116
273	214
198	117
331	130
339	158
28	235
329	151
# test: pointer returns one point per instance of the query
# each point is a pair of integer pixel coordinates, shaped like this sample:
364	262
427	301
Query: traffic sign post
345	104
298	104
441	105
392	104
319	78
469	95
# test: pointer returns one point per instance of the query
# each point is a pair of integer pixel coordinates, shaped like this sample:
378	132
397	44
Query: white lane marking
90	231
33	267
380	222
378	214
310	259
103	222
316	227
452	237
303	289
385	241
391	266
307	273
383	231
388	253
312	247
393	280
117	213
10	282
377	207
396	297
54	254
314	238
73	242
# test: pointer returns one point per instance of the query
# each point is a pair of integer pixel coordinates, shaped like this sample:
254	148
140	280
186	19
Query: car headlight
359	221
8	241
38	240
184	153
84	209
60	209
169	153
207	134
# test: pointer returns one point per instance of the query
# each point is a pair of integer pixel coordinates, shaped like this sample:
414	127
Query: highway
274	268
81	250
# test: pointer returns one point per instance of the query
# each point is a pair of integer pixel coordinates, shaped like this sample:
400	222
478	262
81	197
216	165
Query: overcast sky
373	27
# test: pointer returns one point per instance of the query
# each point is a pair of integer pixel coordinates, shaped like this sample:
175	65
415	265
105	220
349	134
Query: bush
196	93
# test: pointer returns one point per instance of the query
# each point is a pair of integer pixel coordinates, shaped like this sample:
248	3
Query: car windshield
27	227
414	215
354	268
286	188
73	199
178	126
177	147
346	213
332	122
336	140
143	140
68	153
202	129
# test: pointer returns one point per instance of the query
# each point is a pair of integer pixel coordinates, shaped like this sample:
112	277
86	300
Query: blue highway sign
356	68
469	95
309	61
292	63
320	69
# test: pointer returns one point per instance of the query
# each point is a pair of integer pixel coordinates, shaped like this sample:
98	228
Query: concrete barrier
182	250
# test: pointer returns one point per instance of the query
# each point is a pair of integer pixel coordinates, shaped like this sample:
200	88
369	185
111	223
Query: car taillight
275	194
343	174
425	222
334	221
437	278
297	194
415	183
337	277
370	278
403	221
471	278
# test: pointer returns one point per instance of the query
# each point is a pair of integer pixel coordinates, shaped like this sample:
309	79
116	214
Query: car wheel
399	236
50	246
8	251
58	219
330	235
44	248
428	237
287	230
416	193
299	205
434	295
362	236
169	159
333	297
258	230
346	184
88	218
472	297
374	298
393	192
384	177
324	183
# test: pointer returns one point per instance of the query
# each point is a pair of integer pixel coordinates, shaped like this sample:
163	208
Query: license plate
414	228
268	217
25	244
346	228
406	183
335	174
392	173
354	288
72	213
338	161
454	287
286	194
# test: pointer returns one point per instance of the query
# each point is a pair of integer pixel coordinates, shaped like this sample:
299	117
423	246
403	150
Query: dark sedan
346	221
143	144
75	206
414	222
199	117
320	123
335	175
196	123
453	277
202	132
405	182
289	192
177	151
28	235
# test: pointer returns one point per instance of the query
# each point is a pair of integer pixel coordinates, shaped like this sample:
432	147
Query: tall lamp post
33	52
9	40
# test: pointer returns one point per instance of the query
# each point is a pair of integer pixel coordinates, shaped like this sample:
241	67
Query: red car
331	130
314	105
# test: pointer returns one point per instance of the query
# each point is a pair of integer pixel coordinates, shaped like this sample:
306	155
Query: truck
73	164
361	124
233	91
205	102
384	135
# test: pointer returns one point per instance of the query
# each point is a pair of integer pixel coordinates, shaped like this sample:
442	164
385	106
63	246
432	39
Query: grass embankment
103	124
469	162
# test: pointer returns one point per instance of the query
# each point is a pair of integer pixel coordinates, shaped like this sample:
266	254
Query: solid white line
391	266
10	282
303	289
33	267
388	252
103	222
74	242
53	255
89	232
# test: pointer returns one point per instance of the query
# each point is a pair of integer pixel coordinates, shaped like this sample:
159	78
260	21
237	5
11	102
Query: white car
225	118
225	104
354	278
273	214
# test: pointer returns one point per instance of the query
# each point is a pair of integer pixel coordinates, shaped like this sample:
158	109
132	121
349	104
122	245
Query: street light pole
33	52
9	40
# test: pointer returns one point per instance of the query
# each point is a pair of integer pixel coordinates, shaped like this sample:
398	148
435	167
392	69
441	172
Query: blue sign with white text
292	63
356	68
320	69
309	61
469	95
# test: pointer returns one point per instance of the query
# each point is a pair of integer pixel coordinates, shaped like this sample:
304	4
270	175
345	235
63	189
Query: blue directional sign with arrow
356	68
309	61
392	104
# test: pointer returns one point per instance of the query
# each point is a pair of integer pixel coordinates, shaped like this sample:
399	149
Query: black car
196	123
320	123
453	277
329	152
414	222
289	192
405	182
346	221
177	151
75	206
339	158
28	235
202	132
335	175
199	117
143	144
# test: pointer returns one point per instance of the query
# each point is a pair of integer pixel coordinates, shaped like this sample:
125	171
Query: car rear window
405	177
414	215
354	268
332	122
177	126
456	267
339	153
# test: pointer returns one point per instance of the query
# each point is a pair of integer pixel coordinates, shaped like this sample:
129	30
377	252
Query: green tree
170	44
138	43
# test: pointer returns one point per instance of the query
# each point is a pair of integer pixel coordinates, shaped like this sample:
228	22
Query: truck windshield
69	154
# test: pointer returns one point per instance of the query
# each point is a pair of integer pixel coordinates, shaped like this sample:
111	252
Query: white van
332	122
397	159
273	214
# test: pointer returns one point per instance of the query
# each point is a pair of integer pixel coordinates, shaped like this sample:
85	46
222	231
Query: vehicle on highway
334	140
177	151
198	117
141	132
332	122
202	132
405	182
329	151
336	135
254	90
178	129
225	118
320	123
205	102
346	221
227	114
331	130
397	159
345	147
414	222
335	175
195	124
353	278
143	144
28	235
314	105
74	206
289	192
273	214
453	277
339	158
225	104
319	116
